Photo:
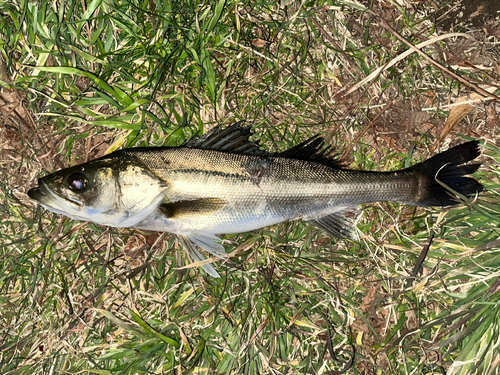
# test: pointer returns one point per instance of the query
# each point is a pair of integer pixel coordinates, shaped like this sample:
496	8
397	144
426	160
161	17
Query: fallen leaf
259	43
461	109
368	302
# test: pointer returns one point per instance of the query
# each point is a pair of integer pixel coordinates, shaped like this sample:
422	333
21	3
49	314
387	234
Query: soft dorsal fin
312	149
234	139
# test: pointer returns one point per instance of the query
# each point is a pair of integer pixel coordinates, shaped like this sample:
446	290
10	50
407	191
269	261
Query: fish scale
223	183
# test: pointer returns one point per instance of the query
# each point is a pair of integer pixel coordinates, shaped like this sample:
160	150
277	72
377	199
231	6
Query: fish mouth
40	192
36	193
51	201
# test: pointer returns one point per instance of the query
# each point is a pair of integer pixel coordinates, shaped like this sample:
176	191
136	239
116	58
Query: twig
455	76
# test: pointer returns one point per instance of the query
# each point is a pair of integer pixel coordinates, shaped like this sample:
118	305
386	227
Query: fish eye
78	181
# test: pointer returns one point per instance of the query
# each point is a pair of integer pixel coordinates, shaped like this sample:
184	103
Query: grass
82	79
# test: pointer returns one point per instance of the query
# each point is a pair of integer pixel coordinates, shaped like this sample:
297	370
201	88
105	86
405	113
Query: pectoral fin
206	241
203	206
339	224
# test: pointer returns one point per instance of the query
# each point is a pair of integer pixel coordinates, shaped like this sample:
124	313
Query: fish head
108	191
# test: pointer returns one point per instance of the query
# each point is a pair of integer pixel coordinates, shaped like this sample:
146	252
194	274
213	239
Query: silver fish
223	183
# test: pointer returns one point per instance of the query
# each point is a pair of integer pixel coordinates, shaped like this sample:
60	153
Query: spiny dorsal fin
312	149
234	138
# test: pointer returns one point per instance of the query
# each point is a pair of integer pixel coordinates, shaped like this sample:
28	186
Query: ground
77	296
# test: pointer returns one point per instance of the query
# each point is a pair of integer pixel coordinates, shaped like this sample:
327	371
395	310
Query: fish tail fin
444	177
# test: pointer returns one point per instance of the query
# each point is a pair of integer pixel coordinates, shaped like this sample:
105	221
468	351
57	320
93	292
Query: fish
223	182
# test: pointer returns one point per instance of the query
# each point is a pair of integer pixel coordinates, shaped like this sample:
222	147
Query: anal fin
339	224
